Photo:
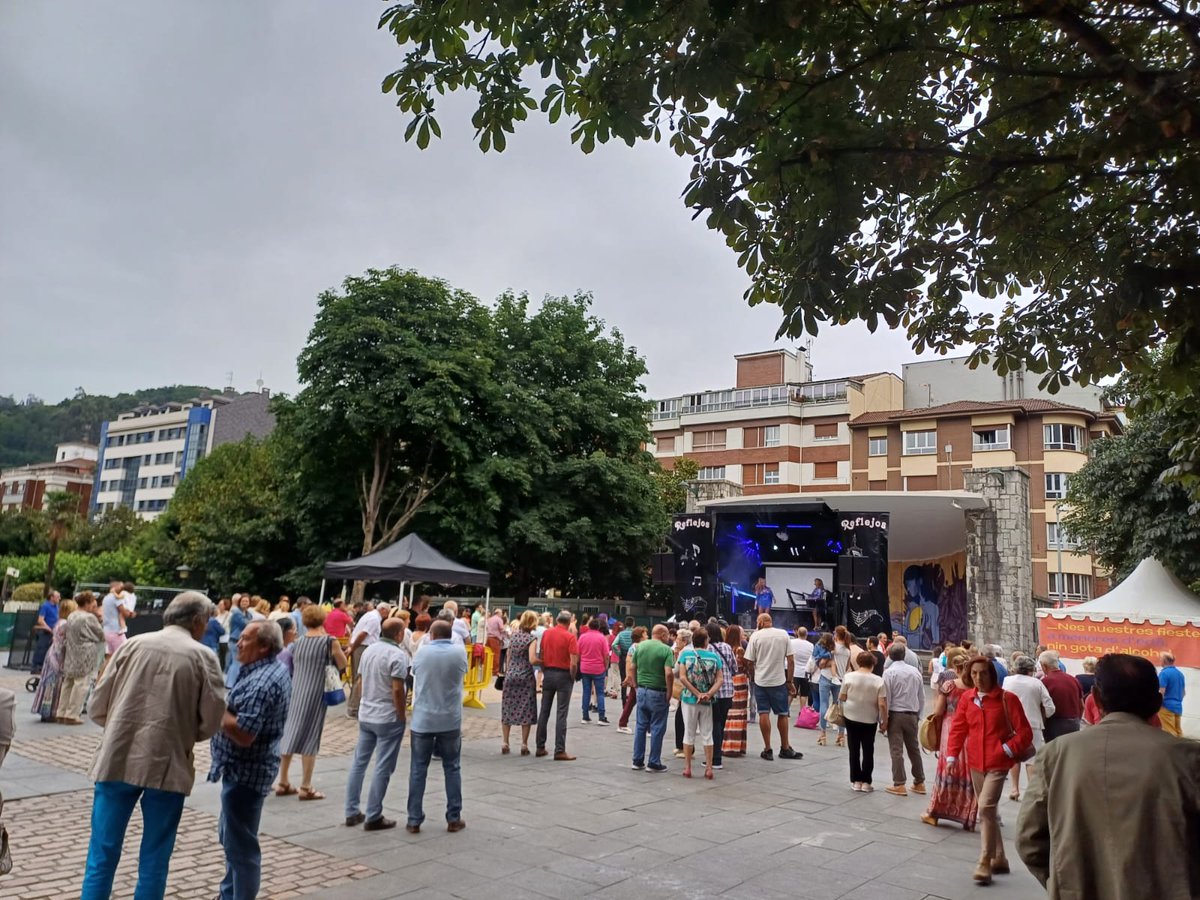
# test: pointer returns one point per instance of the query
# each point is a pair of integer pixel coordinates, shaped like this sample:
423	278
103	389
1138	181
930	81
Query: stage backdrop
691	541
929	599
865	536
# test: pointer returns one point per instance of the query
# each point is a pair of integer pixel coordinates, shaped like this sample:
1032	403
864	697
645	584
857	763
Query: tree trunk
49	586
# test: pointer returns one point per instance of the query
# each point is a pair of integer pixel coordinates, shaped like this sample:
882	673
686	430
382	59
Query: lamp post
1062	586
183	571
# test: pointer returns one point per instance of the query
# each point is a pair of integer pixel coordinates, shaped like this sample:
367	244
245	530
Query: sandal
1014	795
504	749
283	789
687	773
841	740
524	751
821	740
708	773
307	793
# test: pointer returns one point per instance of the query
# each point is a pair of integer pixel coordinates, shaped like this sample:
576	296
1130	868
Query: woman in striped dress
734	743
306	711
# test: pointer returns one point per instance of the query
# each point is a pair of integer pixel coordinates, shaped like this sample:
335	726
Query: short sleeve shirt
259	699
769	649
593	653
49	613
703	668
369	624
381	663
1171	680
652	658
558	646
337	622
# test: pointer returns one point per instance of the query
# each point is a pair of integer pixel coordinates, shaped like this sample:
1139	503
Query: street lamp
183	571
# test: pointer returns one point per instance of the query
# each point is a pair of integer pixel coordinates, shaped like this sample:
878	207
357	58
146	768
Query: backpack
701	672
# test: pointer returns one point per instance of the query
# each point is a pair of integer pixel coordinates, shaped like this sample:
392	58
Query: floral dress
734	743
953	796
45	699
518	705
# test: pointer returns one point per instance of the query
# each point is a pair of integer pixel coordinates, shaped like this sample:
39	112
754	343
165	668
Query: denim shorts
773	698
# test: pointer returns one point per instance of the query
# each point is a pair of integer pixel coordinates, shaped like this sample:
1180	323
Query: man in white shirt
460	631
801	653
771	667
365	633
904	690
115	608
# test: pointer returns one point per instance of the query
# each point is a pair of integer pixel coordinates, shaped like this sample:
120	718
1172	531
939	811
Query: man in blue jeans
159	695
245	754
651	668
438	672
382	712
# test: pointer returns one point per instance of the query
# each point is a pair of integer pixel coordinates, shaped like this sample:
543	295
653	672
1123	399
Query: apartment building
145	454
776	431
929	448
72	470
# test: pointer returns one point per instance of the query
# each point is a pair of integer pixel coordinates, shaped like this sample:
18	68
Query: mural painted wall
928	599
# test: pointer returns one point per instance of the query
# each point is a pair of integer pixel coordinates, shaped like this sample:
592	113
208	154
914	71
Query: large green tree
62	515
1121	509
562	493
886	161
392	374
228	520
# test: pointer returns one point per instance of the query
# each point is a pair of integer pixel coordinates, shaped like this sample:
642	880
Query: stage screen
781	579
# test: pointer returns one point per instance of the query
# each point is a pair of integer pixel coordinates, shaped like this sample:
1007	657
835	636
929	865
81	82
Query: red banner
1074	639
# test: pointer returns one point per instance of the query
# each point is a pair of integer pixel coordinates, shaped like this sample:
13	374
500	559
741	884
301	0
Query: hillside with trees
30	428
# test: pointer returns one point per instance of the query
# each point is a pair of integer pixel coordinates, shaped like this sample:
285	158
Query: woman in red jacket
989	734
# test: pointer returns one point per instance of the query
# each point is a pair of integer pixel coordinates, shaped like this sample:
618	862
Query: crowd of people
258	680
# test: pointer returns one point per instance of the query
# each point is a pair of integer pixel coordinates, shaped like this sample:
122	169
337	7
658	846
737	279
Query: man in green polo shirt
622	644
653	665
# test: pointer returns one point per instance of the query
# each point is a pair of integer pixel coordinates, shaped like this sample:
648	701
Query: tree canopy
1019	177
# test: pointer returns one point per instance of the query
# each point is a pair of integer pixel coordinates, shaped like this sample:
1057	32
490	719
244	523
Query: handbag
834	715
929	733
500	683
1027	753
808	718
335	693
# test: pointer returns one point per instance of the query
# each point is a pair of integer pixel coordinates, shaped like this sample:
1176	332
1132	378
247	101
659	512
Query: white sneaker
587	721
604	722
624	729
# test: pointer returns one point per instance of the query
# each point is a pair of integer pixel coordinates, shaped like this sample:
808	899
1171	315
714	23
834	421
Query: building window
711	473
144	483
825	432
825	470
760	473
708	440
1056	485
766	436
665	445
1057	537
112	464
1070	586
877	446
991	438
667	409
823	392
920	443
1062	437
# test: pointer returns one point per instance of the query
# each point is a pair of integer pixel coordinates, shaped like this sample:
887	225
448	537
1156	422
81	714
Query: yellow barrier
476	678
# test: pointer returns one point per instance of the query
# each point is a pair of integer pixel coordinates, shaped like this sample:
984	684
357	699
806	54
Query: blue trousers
384	738
590	683
112	805
652	709
237	829
449	746
829	694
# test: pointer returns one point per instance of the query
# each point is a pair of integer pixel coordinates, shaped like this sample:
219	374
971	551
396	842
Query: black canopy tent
410	559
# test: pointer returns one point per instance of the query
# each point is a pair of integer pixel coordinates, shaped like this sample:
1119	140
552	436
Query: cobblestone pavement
536	829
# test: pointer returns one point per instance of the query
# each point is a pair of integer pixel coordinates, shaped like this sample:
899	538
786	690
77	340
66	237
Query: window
1062	437
920	443
760	473
824	470
1057	537
144	483
827	431
112	463
1069	586
170	434
665	445
877	446
823	392
764	396
711	473
766	436
991	438
708	440
1056	485
667	409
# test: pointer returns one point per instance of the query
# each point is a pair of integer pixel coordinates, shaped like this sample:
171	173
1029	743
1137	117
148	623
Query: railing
749	398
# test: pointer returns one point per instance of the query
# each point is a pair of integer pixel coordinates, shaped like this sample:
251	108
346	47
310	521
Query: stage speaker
662	568
854	573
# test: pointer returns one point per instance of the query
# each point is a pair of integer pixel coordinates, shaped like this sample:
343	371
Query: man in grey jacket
165	678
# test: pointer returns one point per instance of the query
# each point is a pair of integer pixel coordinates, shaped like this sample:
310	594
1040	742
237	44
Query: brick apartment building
776	431
928	449
71	470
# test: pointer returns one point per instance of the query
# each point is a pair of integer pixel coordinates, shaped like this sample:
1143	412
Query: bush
29	593
72	568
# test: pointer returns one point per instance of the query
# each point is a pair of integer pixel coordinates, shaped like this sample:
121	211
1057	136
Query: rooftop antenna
259	383
229	378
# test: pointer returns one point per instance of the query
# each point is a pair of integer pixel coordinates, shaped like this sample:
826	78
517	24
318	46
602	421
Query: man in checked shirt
245	754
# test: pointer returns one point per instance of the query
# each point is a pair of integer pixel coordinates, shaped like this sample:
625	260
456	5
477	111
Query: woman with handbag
864	706
312	655
990	726
822	658
952	797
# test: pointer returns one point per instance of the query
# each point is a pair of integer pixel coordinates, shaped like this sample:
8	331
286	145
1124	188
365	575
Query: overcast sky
181	180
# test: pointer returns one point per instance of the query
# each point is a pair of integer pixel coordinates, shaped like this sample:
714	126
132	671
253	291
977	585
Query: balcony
751	398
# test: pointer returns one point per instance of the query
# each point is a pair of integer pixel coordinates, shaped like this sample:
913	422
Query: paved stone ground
535	829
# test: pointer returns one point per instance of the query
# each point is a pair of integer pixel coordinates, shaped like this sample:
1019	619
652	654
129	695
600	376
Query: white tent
1148	612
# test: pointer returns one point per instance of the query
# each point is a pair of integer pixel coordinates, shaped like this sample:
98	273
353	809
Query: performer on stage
764	599
818	600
